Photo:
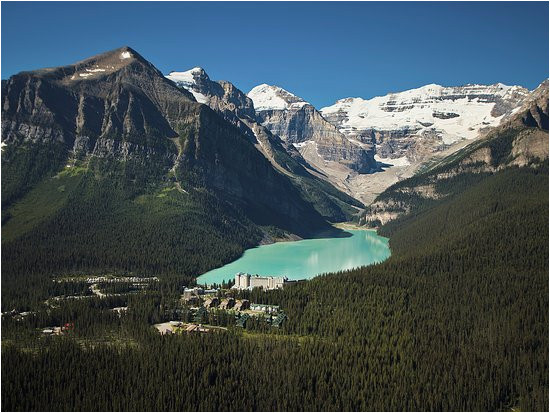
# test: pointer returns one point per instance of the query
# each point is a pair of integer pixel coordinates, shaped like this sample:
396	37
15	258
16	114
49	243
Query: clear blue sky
320	51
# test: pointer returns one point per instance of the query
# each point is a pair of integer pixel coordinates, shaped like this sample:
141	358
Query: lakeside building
266	308
244	281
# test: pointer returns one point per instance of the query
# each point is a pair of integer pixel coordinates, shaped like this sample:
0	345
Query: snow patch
403	161
188	81
302	144
412	109
199	97
125	55
267	97
187	77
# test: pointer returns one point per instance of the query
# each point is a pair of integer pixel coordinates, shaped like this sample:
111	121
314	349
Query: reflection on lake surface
305	259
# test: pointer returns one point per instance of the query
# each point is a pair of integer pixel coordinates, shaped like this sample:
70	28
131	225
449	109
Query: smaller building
279	320
241	305
266	308
211	302
196	328
241	321
192	300
189	292
52	331
120	310
227	303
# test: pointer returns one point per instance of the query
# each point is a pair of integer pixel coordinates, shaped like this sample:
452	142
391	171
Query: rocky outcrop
221	96
117	116
521	140
437	115
298	122
238	109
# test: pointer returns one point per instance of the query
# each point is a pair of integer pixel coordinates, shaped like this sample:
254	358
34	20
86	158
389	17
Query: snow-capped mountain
296	121
350	140
221	96
235	107
433	115
268	97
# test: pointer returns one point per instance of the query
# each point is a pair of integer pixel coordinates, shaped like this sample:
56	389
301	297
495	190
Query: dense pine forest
456	319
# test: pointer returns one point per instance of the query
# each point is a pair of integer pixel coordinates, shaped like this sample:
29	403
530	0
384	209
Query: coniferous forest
123	186
456	319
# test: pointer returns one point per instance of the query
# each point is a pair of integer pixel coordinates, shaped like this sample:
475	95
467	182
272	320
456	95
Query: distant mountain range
520	140
363	146
96	147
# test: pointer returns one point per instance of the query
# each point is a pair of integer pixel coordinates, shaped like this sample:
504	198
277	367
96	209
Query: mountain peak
95	67
270	97
189	76
193	80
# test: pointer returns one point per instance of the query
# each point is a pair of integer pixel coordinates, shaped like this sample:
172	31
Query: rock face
117	116
299	123
364	146
239	109
520	140
418	122
221	96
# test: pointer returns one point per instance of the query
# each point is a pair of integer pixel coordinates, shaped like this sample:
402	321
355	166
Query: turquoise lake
307	258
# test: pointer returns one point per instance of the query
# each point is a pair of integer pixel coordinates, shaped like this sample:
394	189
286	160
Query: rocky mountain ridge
520	141
239	109
445	115
297	122
396	133
116	116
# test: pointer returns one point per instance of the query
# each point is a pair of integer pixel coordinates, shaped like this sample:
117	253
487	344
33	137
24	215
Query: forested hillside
456	319
520	140
107	166
122	173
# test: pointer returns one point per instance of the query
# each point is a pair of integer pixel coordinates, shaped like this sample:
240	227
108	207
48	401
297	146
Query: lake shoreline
306	258
352	226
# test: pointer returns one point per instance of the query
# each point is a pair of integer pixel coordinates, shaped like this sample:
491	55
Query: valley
416	223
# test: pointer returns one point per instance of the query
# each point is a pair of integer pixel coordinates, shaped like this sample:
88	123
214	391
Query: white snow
188	82
85	74
125	55
302	144
414	110
199	97
297	105
95	70
3	145
267	97
402	161
184	77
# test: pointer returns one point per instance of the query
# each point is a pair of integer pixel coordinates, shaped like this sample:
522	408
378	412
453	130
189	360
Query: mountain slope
455	320
521	140
297	122
364	146
442	115
238	109
132	159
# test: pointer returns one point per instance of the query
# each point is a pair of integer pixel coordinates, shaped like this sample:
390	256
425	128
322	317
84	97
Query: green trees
456	319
